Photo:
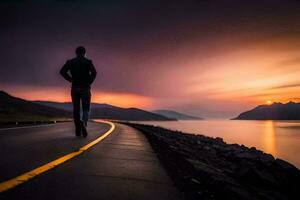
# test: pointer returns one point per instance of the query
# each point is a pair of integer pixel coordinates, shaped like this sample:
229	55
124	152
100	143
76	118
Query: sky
206	58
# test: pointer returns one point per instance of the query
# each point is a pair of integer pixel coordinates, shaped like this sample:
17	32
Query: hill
106	111
276	111
68	105
16	109
176	115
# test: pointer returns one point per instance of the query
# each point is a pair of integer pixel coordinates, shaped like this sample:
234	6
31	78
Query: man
81	72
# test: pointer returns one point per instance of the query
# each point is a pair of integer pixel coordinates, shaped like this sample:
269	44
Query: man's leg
86	102
76	111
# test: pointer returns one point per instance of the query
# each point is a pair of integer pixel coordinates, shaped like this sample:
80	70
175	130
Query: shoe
83	129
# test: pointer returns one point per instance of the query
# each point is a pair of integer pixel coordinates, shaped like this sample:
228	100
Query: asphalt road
25	148
122	166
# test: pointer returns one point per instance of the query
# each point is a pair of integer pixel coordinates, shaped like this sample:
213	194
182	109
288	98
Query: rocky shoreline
208	168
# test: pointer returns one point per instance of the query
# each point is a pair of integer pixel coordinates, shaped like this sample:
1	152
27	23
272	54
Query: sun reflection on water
269	139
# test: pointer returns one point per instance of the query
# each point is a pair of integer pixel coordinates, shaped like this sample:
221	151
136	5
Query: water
279	138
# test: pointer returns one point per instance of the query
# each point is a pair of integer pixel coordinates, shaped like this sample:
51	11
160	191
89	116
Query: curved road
25	148
123	166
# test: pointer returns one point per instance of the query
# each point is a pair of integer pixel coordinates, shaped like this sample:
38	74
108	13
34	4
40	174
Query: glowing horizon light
269	102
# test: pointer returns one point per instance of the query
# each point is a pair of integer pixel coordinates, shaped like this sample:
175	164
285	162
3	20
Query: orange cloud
252	74
123	99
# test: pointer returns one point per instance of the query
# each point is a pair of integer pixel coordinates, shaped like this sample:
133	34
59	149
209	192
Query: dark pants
81	97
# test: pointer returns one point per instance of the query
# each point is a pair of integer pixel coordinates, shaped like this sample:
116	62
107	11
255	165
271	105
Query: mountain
68	105
132	114
176	115
106	111
276	111
16	109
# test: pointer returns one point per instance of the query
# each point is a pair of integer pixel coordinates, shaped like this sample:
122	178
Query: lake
279	138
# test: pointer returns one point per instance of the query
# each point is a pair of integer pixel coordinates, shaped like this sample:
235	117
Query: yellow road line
6	185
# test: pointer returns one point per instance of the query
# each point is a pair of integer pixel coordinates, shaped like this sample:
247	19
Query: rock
267	159
284	165
260	178
194	180
253	149
246	155
237	193
220	140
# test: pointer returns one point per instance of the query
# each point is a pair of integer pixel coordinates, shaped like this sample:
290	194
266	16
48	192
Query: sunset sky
207	58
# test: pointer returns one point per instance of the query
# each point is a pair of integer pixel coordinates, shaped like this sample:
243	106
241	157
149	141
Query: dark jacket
82	72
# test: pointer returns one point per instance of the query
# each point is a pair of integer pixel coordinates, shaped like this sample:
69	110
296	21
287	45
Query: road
122	166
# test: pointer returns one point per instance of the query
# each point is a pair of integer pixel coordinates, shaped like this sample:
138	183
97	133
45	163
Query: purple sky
192	57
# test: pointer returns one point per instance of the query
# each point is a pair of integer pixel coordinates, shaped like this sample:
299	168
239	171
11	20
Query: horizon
208	59
153	111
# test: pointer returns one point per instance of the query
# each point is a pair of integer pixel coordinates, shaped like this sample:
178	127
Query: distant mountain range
276	111
176	115
16	109
13	109
106	111
69	107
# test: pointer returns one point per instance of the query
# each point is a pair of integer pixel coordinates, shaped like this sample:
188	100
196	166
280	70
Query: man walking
81	72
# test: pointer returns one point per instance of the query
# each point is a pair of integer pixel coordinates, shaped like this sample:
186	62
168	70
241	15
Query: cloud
62	94
154	53
286	86
289	63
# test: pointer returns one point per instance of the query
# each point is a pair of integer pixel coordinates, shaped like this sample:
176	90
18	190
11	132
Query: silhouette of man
81	72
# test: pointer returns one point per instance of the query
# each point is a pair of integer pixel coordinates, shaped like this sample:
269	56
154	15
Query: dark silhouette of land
13	109
18	110
68	105
275	111
106	111
176	115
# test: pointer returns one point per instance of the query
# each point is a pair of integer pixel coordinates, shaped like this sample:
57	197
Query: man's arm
64	72
93	72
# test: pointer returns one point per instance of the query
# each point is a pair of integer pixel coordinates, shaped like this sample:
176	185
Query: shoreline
208	168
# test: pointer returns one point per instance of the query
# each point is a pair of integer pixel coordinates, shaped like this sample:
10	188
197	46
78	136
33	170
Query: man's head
80	51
